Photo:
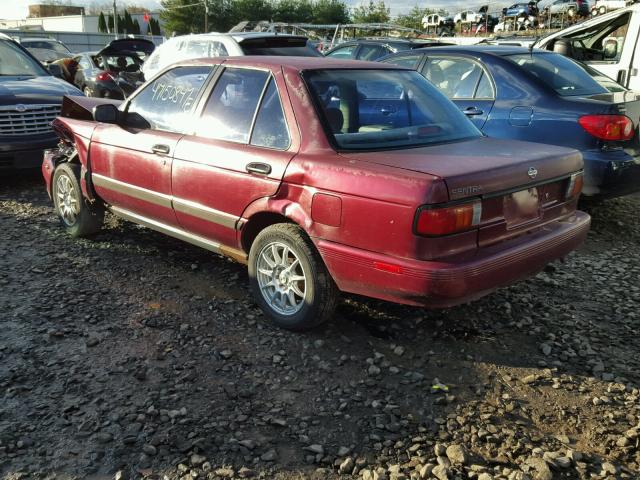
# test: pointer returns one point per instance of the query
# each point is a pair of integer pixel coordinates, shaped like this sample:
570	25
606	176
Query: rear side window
562	74
457	77
232	105
166	102
410	61
270	129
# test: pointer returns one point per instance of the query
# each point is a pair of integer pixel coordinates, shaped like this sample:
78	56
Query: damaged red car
324	176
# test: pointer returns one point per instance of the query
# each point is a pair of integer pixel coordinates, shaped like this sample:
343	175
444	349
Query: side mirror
106	113
55	70
610	49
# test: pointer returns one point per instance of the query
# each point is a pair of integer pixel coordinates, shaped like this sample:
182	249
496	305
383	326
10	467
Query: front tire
289	279
79	218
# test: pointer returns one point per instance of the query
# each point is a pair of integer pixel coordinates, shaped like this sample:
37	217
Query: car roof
297	63
39	39
499	50
237	36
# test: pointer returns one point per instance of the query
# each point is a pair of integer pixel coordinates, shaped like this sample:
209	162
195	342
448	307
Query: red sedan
323	176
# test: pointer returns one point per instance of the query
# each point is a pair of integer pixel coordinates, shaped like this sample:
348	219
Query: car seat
335	118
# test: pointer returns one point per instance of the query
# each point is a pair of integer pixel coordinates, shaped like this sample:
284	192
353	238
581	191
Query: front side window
372	52
13	61
166	102
343	52
232	105
562	74
602	41
382	109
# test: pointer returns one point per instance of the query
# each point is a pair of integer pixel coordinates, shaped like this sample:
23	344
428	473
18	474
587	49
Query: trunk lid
483	166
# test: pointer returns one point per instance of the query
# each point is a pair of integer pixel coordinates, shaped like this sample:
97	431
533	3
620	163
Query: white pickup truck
608	43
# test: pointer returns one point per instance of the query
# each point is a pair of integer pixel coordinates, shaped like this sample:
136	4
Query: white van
186	47
607	43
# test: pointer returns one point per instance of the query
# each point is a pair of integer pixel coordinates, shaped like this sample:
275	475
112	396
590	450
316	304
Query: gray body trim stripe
167	229
168	201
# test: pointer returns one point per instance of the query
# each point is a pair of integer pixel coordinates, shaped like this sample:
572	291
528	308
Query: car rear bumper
610	174
24	153
444	283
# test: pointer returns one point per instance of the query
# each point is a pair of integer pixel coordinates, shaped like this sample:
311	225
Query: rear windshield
289	47
385	109
565	76
55	46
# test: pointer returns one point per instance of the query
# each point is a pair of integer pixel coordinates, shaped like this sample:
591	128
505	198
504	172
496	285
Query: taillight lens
104	76
575	185
433	221
608	127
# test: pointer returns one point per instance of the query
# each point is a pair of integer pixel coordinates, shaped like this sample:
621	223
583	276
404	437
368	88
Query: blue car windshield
565	76
385	109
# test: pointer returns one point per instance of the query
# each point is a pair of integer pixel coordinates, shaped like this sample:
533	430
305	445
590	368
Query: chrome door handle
472	111
259	168
160	149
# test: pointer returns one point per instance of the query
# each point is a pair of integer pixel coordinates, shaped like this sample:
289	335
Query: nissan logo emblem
21	108
532	172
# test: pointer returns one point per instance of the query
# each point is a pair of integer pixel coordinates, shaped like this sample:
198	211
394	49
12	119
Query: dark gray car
30	98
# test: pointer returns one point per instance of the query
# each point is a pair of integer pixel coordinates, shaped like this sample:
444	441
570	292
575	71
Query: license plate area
521	207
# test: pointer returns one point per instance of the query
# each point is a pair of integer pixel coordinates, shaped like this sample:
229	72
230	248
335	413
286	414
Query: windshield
383	109
565	76
55	46
13	61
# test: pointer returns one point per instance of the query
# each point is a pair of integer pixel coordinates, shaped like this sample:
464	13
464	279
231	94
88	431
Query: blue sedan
540	96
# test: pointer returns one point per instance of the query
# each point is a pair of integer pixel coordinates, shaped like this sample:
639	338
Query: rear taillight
608	127
434	221
575	185
104	76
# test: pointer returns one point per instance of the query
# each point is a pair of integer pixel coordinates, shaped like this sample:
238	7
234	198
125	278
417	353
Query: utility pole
115	19
206	16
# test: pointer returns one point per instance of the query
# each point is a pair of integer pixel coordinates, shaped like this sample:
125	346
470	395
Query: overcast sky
13	9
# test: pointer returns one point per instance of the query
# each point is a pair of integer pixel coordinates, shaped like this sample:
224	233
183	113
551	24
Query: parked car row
539	96
431	177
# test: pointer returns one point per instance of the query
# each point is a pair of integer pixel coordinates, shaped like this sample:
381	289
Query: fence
77	41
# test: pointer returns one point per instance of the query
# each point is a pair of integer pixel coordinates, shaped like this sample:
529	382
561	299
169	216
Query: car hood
481	166
33	90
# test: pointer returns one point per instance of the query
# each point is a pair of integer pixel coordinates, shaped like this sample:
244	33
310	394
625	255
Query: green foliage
293	11
102	23
372	12
252	10
330	11
153	27
413	19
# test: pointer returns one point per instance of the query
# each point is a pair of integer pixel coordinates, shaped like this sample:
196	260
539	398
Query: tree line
187	16
127	24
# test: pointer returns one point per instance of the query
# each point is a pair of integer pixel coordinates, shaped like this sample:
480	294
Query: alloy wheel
68	200
281	278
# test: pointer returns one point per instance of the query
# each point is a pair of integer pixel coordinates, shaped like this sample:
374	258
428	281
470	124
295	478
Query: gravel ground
135	355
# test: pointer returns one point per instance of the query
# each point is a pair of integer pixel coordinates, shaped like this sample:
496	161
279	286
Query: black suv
30	98
374	48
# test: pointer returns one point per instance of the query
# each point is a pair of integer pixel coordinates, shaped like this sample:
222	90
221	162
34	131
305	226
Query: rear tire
602	10
289	280
79	218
